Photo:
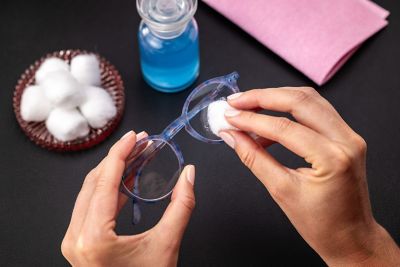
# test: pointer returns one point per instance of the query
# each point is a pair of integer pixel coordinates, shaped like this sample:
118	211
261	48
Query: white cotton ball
67	124
216	116
86	69
98	107
63	90
48	66
34	106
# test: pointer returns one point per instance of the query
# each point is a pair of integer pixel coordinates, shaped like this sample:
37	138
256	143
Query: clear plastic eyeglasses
153	167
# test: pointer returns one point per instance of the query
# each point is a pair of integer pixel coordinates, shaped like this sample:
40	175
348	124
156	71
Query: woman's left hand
91	239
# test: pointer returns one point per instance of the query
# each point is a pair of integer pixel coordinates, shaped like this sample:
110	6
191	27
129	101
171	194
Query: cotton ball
216	116
86	69
34	106
67	124
48	66
63	90
98	107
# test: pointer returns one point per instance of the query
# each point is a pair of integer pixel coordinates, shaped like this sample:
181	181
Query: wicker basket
37	131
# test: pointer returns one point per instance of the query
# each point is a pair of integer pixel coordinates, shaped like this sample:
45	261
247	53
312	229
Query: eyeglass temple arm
136	213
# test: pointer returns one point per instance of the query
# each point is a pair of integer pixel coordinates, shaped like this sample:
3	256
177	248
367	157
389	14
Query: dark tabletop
235	223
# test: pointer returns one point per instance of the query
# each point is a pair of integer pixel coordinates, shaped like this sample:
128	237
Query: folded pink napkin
315	36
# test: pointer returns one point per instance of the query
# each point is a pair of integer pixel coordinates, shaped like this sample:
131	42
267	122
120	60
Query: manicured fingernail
234	96
141	135
232	112
190	174
127	134
228	139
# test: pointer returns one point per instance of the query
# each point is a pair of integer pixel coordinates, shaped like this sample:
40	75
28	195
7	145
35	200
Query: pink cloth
315	36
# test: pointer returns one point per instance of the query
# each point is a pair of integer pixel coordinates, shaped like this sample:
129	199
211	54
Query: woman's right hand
91	239
327	203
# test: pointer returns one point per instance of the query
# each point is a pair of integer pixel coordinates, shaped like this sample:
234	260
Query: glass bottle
168	43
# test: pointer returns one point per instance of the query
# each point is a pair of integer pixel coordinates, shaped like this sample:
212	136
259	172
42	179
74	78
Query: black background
235	223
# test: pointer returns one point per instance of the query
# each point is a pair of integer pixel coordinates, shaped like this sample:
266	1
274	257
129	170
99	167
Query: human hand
327	203
91	240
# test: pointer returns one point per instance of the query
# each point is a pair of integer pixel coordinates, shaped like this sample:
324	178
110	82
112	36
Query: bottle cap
166	18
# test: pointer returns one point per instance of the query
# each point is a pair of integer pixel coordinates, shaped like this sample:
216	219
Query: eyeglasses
153	167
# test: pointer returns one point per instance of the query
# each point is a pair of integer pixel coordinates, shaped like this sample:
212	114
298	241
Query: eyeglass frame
166	136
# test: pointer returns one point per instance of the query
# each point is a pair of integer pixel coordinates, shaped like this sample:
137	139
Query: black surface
235	223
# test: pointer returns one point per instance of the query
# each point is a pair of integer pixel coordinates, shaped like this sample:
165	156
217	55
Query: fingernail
190	174
234	96
228	139
127	134
141	135
232	112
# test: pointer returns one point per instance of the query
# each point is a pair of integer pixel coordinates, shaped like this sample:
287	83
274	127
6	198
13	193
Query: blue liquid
170	65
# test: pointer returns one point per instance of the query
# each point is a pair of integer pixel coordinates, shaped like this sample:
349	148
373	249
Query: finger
176	217
269	171
104	203
83	200
304	103
122	198
299	139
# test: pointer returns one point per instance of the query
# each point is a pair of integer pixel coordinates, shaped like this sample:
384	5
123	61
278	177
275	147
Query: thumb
177	215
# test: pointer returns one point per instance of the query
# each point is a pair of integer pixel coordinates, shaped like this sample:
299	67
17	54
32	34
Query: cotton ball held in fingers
67	124
48	66
98	108
86	69
216	116
34	106
63	90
